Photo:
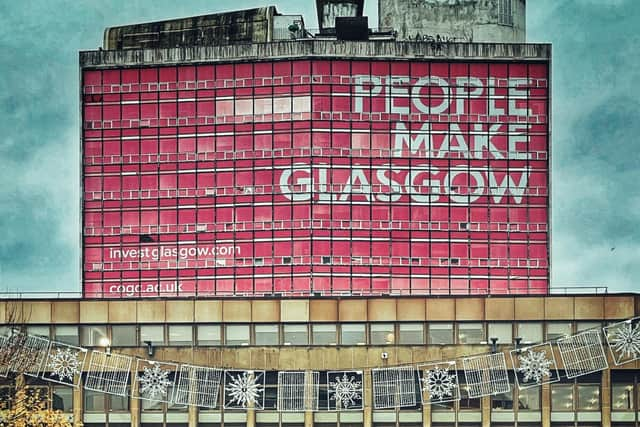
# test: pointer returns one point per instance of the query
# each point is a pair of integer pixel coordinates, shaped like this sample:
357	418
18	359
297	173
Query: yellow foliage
30	408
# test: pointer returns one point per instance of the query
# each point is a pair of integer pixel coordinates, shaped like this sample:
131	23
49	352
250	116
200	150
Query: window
530	332
123	336
381	334
67	334
622	391
352	334
588	397
441	333
267	335
62	398
502	331
562	397
209	335
153	333
118	403
41	331
505	12
295	335
470	333
557	330
237	334
324	334
529	399
94	401
180	335
584	326
93	336
411	333
577	396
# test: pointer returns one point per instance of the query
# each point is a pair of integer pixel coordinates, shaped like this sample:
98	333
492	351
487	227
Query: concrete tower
493	21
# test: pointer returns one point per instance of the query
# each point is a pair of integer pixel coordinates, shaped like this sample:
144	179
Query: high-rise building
223	160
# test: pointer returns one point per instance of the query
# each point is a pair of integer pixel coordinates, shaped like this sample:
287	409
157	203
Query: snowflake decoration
244	389
154	382
534	365
346	390
625	340
439	383
64	364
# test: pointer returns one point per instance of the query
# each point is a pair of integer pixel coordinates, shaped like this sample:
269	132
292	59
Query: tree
23	406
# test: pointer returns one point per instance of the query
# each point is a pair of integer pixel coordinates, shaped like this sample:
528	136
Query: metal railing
435	292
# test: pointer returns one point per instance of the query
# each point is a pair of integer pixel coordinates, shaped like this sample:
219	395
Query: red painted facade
329	176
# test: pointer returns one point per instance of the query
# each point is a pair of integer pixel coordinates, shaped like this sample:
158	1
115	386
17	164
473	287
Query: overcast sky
595	149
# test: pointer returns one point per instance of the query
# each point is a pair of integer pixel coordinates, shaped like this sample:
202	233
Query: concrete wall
248	26
457	20
351	309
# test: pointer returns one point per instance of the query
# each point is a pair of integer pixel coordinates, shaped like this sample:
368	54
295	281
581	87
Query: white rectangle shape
582	353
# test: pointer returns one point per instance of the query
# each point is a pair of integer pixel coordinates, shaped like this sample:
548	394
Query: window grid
154	140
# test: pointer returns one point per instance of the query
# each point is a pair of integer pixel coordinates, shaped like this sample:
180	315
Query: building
332	334
304	166
262	199
493	21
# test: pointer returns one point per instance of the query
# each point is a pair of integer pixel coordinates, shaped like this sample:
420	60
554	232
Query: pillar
605	398
545	403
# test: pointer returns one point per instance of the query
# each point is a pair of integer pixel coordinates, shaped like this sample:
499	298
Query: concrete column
545	404
308	391
251	418
426	415
308	418
367	420
134	408
485	405
78	405
193	416
605	398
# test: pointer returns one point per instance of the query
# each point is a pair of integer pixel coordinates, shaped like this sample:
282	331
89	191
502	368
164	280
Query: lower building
337	334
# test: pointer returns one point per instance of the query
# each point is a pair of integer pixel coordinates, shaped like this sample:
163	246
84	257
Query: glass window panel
93	336
557	330
502	331
267	335
441	333
588	397
118	403
123	336
466	402
561	397
583	326
470	333
622	397
94	401
324	334
381	333
529	399
530	332
153	333
352	334
41	331
209	335
180	335
151	405
295	335
177	407
62	398
502	401
411	333
237	334
67	334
